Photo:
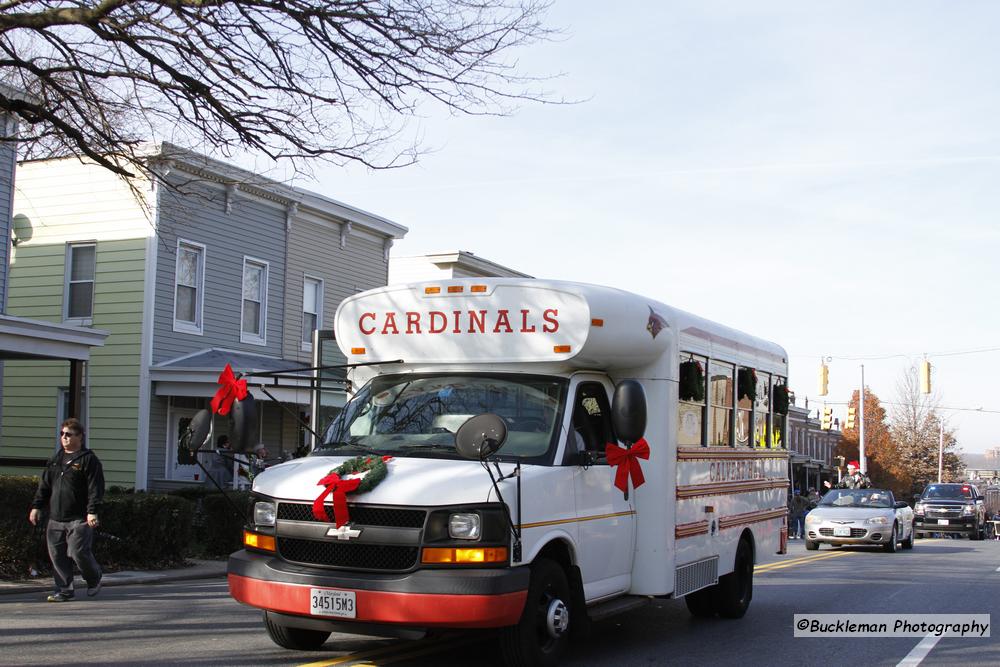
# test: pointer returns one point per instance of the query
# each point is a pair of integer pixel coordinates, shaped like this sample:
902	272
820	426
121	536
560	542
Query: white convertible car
860	516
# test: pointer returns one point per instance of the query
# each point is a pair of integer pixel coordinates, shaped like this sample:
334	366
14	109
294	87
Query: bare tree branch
288	79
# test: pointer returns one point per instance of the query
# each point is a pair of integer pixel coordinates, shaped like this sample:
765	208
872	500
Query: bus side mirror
481	436
243	423
628	411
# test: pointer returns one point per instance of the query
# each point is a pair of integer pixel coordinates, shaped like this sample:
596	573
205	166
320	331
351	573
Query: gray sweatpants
70	542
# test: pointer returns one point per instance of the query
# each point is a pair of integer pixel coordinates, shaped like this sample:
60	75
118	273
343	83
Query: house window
80	265
312	309
254	302
189	287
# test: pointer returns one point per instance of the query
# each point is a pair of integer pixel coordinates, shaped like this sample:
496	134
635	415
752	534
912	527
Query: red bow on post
627	462
339	488
231	390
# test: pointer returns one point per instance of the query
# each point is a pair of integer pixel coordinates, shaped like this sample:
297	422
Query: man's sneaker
95	589
61	596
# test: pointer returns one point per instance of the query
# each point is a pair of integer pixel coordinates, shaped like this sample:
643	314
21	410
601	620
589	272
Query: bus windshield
418	415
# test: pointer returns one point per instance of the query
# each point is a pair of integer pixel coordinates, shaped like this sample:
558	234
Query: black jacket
71	491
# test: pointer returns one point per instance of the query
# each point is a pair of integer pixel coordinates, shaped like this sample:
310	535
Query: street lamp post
940	449
861	427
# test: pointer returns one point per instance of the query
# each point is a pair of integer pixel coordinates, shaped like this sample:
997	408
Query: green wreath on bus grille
335	484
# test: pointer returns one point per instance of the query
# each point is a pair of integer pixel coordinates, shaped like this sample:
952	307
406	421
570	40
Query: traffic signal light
925	377
824	379
852	414
826	421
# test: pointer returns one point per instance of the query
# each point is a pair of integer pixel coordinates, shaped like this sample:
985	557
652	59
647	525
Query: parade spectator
71	488
800	506
222	462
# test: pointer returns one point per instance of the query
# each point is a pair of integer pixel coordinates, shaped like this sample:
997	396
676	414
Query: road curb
201	570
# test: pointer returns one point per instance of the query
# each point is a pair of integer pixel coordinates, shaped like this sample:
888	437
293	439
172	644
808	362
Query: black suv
950	508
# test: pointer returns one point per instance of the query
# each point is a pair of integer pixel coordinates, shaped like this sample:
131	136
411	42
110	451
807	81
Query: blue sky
823	175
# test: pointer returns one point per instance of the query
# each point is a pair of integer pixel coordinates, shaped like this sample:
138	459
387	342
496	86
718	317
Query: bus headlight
263	513
465	526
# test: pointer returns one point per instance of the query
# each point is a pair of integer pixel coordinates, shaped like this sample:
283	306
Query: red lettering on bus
554	313
390	321
412	322
458	326
524	322
477	318
361	323
442	318
502	322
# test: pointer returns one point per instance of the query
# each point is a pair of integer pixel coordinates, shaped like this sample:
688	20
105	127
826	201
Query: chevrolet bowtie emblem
345	532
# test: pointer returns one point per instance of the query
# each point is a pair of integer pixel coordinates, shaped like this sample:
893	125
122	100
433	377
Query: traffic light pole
861	429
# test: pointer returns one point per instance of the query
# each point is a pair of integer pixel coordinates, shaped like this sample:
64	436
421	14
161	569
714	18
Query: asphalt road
196	623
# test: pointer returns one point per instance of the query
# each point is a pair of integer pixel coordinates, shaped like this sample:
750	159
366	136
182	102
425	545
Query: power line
882	357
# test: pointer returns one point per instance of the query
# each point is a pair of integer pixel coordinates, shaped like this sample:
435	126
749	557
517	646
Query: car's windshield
950	491
418	415
857	498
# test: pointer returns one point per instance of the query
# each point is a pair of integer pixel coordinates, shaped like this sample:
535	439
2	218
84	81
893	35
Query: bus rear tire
296	639
735	590
541	637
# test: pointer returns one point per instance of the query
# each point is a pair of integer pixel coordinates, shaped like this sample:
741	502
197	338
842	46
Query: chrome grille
348	555
362	515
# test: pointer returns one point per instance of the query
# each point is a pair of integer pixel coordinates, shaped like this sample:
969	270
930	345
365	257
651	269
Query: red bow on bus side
339	488
627	462
231	390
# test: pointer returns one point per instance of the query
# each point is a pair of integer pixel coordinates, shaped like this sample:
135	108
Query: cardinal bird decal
656	323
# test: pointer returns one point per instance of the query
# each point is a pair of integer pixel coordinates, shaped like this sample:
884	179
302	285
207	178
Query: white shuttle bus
535	455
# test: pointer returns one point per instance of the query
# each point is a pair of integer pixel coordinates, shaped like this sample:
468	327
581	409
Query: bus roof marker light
561	349
597	322
357	350
478	289
455	289
432	290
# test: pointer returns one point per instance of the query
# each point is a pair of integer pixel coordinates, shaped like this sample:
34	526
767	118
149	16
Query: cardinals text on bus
499	321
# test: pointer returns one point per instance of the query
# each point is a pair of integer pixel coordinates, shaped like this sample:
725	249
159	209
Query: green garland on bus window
691	386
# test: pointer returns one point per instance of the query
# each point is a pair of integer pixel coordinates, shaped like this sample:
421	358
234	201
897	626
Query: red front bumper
412	609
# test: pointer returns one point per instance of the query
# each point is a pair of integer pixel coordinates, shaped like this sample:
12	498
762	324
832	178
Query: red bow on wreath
231	390
627	462
339	488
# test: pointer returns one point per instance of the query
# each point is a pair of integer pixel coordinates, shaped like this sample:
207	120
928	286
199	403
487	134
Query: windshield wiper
337	445
437	448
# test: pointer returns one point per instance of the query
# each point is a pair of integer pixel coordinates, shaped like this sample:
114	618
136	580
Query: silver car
860	516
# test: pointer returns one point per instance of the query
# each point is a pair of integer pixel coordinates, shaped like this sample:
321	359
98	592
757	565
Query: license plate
842	531
942	522
327	602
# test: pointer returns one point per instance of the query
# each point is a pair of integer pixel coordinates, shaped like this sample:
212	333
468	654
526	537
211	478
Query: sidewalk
201	569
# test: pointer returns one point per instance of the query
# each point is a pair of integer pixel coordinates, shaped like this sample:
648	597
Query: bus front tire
701	603
296	639
541	637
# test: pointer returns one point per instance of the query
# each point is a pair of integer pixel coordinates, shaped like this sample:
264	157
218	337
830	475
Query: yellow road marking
780	565
431	649
353	657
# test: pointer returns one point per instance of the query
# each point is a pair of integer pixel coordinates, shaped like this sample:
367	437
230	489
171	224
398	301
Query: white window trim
304	346
254	339
180	326
67	270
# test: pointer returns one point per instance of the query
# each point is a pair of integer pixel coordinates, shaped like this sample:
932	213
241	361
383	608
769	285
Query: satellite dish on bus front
196	433
481	436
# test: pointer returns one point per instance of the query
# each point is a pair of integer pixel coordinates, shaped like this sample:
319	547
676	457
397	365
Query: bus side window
592	416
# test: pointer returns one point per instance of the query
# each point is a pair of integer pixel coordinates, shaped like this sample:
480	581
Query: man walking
72	487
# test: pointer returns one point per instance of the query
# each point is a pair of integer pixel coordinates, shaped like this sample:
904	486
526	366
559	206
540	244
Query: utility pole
861	427
940	449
